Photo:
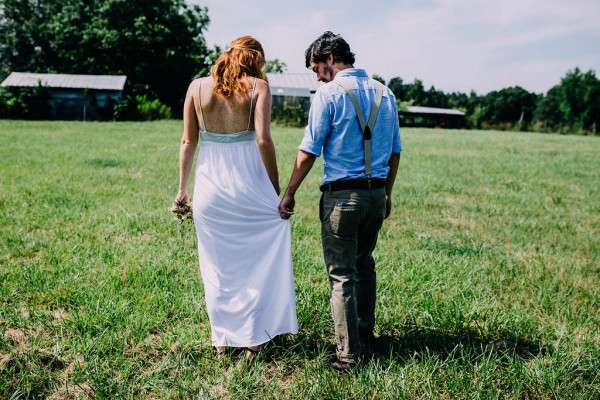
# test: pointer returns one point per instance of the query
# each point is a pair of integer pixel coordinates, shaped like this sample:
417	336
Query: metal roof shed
432	117
293	84
73	96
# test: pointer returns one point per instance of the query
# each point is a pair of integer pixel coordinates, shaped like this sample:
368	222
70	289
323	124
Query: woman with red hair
244	246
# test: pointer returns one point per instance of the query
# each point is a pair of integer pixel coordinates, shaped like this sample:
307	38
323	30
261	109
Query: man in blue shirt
357	186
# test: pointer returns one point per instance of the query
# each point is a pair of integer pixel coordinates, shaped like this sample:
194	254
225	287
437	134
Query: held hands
286	206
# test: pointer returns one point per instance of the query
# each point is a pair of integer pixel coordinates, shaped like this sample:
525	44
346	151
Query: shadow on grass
414	342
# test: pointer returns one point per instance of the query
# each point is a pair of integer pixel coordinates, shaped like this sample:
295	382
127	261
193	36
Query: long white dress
244	246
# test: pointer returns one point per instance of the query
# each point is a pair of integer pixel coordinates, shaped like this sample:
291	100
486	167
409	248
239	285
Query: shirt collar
352	72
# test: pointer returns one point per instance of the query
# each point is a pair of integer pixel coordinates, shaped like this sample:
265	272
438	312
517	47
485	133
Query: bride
244	246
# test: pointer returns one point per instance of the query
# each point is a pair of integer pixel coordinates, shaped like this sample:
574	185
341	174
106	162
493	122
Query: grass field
488	268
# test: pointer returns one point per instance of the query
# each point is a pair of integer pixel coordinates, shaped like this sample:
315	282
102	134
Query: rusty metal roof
103	82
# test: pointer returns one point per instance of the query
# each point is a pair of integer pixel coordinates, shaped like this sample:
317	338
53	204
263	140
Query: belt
362	183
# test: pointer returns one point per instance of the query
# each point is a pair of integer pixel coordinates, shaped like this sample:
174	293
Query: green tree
275	66
415	92
435	98
580	99
396	85
459	100
573	104
509	105
378	78
548	111
158	44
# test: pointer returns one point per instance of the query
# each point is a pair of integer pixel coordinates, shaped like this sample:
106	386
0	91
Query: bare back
224	114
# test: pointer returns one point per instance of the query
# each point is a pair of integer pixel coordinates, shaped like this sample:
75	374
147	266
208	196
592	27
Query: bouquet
182	211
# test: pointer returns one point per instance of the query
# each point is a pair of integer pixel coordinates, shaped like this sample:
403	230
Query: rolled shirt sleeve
318	126
396	142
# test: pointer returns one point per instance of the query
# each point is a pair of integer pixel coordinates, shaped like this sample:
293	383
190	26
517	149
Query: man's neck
338	67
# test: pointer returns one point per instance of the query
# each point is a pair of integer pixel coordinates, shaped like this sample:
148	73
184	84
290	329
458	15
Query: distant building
432	117
293	84
291	94
295	90
81	97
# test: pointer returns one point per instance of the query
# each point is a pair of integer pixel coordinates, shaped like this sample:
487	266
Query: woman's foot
219	350
252	352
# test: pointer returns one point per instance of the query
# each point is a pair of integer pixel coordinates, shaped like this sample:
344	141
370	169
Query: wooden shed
68	96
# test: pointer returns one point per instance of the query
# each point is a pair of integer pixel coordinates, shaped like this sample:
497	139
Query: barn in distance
72	97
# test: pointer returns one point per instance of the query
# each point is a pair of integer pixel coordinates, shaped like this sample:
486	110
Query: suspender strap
366	127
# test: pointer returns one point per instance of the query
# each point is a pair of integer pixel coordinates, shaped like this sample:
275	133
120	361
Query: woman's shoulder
204	80
262	85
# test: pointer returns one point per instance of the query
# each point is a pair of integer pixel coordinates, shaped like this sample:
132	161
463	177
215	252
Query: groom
357	184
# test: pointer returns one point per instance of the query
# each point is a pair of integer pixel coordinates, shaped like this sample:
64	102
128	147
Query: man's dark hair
329	43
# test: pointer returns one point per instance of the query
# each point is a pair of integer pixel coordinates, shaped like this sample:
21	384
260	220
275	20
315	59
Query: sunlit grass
488	272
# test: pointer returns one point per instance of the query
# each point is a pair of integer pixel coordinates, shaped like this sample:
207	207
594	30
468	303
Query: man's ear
330	58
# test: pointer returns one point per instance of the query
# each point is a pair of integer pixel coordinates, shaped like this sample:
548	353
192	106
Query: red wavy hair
244	57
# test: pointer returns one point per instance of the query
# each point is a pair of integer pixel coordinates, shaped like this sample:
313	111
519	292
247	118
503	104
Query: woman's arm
262	125
189	143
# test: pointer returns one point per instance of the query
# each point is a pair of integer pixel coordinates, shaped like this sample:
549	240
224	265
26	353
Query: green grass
488	272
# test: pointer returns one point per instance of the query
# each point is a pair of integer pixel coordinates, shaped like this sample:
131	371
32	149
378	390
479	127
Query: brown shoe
343	366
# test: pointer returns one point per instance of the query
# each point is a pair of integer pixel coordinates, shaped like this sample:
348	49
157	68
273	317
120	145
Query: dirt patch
16	337
5	360
73	391
59	314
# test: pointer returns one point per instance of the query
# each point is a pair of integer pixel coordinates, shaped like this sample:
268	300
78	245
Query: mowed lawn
488	270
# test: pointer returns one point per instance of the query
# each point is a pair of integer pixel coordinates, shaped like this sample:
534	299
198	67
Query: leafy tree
580	99
435	98
459	100
573	104
378	78
547	111
396	85
158	44
509	105
415	92
275	66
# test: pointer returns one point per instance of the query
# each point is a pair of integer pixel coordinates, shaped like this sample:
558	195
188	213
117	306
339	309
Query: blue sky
454	45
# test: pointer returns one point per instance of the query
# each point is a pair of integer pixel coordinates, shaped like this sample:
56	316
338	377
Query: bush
289	115
25	103
140	108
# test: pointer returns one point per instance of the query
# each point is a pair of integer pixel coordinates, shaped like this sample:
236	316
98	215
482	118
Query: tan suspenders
365	127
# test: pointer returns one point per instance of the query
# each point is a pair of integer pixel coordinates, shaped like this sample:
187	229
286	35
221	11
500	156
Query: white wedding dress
244	246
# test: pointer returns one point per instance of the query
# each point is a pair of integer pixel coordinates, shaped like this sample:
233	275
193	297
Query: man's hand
286	206
388	206
304	162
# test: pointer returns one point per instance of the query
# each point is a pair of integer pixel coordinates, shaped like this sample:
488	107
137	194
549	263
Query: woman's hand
182	197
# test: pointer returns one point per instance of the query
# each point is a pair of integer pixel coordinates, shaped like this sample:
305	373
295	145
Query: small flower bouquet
182	211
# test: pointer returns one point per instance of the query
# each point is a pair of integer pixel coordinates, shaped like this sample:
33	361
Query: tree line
571	106
160	46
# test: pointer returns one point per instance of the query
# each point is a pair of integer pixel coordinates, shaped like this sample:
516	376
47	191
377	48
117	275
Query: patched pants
350	223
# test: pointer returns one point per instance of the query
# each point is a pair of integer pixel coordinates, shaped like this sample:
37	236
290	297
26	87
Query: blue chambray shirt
334	129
